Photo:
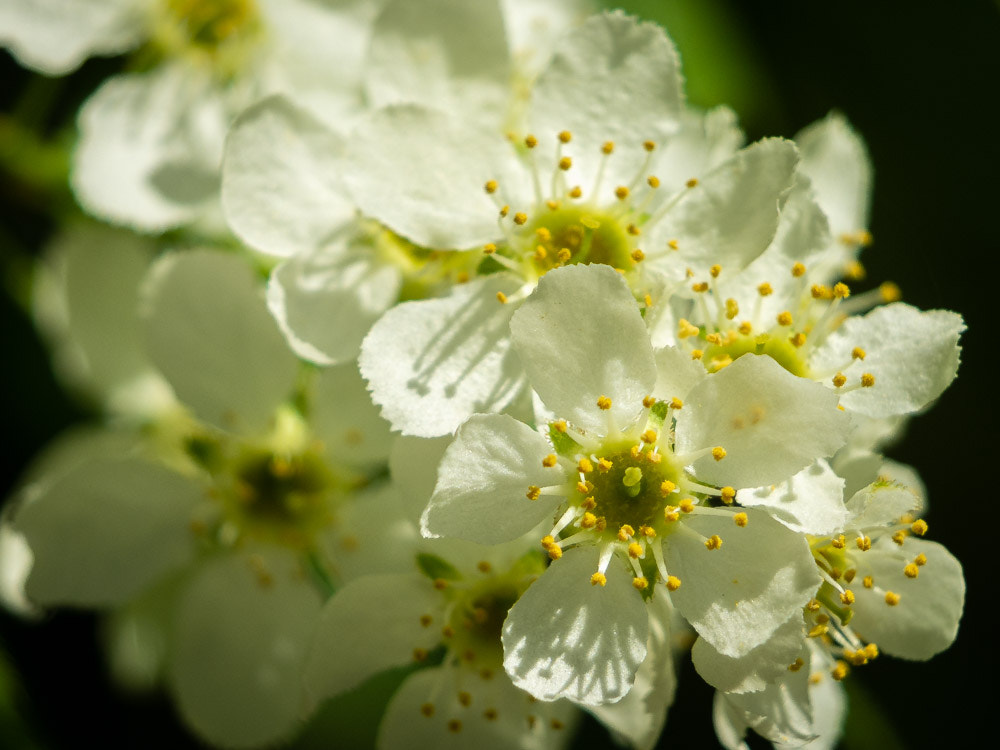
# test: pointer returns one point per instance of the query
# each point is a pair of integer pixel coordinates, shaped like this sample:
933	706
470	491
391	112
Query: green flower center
575	234
778	347
425	273
220	33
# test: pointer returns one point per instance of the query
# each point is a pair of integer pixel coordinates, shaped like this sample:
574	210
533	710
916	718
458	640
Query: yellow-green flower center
575	234
219	33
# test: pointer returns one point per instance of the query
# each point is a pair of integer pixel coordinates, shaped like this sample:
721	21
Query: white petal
431	364
566	638
370	625
811	502
829	708
106	529
483	479
16	560
737	596
580	337
730	725
913	355
638	718
782	713
753	671
519	724
676	373
136	637
730	217
345	419
55	36
632	93
836	161
535	26
421	173
880	504
925	621
908	477
209	332
146	157
413	465
705	140
281	189
440	53
326	301
241	635
771	423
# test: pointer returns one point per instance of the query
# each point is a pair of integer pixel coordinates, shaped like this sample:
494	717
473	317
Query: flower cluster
472	349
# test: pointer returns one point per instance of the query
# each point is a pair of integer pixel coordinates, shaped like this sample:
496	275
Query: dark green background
919	80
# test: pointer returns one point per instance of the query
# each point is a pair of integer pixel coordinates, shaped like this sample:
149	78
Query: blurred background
918	80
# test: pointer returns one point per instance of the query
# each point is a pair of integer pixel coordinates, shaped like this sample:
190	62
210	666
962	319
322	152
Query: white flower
252	507
635	475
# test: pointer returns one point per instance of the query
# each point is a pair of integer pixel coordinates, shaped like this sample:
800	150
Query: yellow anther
491	186
796	665
740	519
815	678
584	466
839	671
635	550
549	461
543	234
728	495
548	540
718	453
798	270
621	192
836	573
700	286
640	583
589	503
900	536
653	181
504	211
798	340
462	277
676	403
501	298
864	543
565	136
714	338
685	329
911	570
841	291
604	465
419	654
840	380
715	271
565	163
670	513
649	436
920	559
559	425
813	605
871	651
552	204
607	147
530	141
633	230
554	551
576	192
448	631
713	542
520	218
891	598
919	527
454	725
817	631
765	289
673	583
483	566
588	521
867	380
647	531
847	597
426	620
638	255
667	487
839	542
649	145
784	318
427	709
745	328
890	292
857	353
732	308
648	402
868	582
820	291
625	533
654	457
603	403
686	505
534	492
673	244
564	255
598	579
440	584
857	658
693	182
850	574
